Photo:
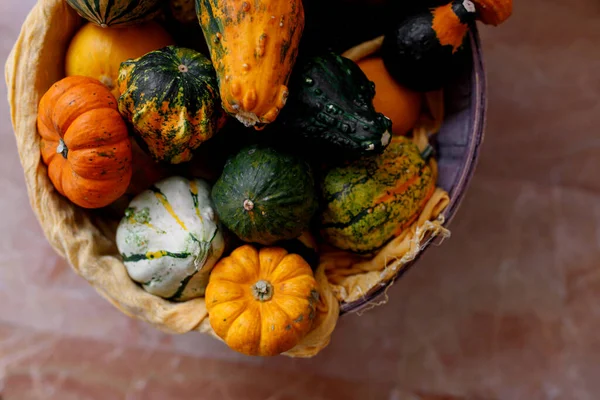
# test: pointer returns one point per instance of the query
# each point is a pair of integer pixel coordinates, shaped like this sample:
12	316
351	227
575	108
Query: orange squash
85	142
261	302
401	105
253	46
493	12
98	52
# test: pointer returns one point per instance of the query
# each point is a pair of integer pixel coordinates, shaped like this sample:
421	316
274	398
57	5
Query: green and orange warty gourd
253	46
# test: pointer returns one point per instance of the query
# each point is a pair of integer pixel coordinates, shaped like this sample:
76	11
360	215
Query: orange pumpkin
261	302
85	142
401	105
98	52
253	46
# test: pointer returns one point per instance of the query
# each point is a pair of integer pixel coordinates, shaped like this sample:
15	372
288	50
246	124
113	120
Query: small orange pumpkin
401	105
85	142
261	302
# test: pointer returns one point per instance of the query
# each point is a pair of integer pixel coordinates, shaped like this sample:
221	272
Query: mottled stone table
505	309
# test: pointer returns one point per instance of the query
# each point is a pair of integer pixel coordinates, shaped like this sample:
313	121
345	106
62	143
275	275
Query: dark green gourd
331	109
425	51
264	196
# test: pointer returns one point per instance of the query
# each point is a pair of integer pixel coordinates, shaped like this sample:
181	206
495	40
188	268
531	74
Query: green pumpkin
170	238
171	98
331	109
264	196
106	13
373	199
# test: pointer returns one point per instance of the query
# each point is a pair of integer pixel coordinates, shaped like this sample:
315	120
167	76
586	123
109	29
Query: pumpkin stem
248	205
107	81
62	148
262	290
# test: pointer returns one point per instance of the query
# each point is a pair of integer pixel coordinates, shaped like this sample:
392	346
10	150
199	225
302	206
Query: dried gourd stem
62	148
421	139
248	205
262	290
364	49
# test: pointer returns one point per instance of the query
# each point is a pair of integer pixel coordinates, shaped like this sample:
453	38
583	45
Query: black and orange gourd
424	51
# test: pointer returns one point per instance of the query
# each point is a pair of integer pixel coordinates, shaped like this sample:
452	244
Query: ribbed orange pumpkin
253	47
401	105
85	142
261	302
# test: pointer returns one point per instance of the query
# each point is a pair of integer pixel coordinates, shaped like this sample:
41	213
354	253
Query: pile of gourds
244	151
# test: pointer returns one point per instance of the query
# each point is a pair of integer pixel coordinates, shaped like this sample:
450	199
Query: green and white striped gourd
107	13
170	238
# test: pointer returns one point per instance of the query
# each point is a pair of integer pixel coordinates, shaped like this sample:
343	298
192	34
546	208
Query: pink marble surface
505	309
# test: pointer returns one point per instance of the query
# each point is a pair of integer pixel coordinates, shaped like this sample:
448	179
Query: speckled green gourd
170	96
264	196
372	200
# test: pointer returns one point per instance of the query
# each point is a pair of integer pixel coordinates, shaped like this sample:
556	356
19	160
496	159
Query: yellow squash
98	52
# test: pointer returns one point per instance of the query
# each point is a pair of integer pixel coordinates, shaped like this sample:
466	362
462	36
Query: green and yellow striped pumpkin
107	13
375	198
171	97
170	238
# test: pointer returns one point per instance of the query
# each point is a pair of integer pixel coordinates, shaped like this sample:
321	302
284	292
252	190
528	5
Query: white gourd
170	238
